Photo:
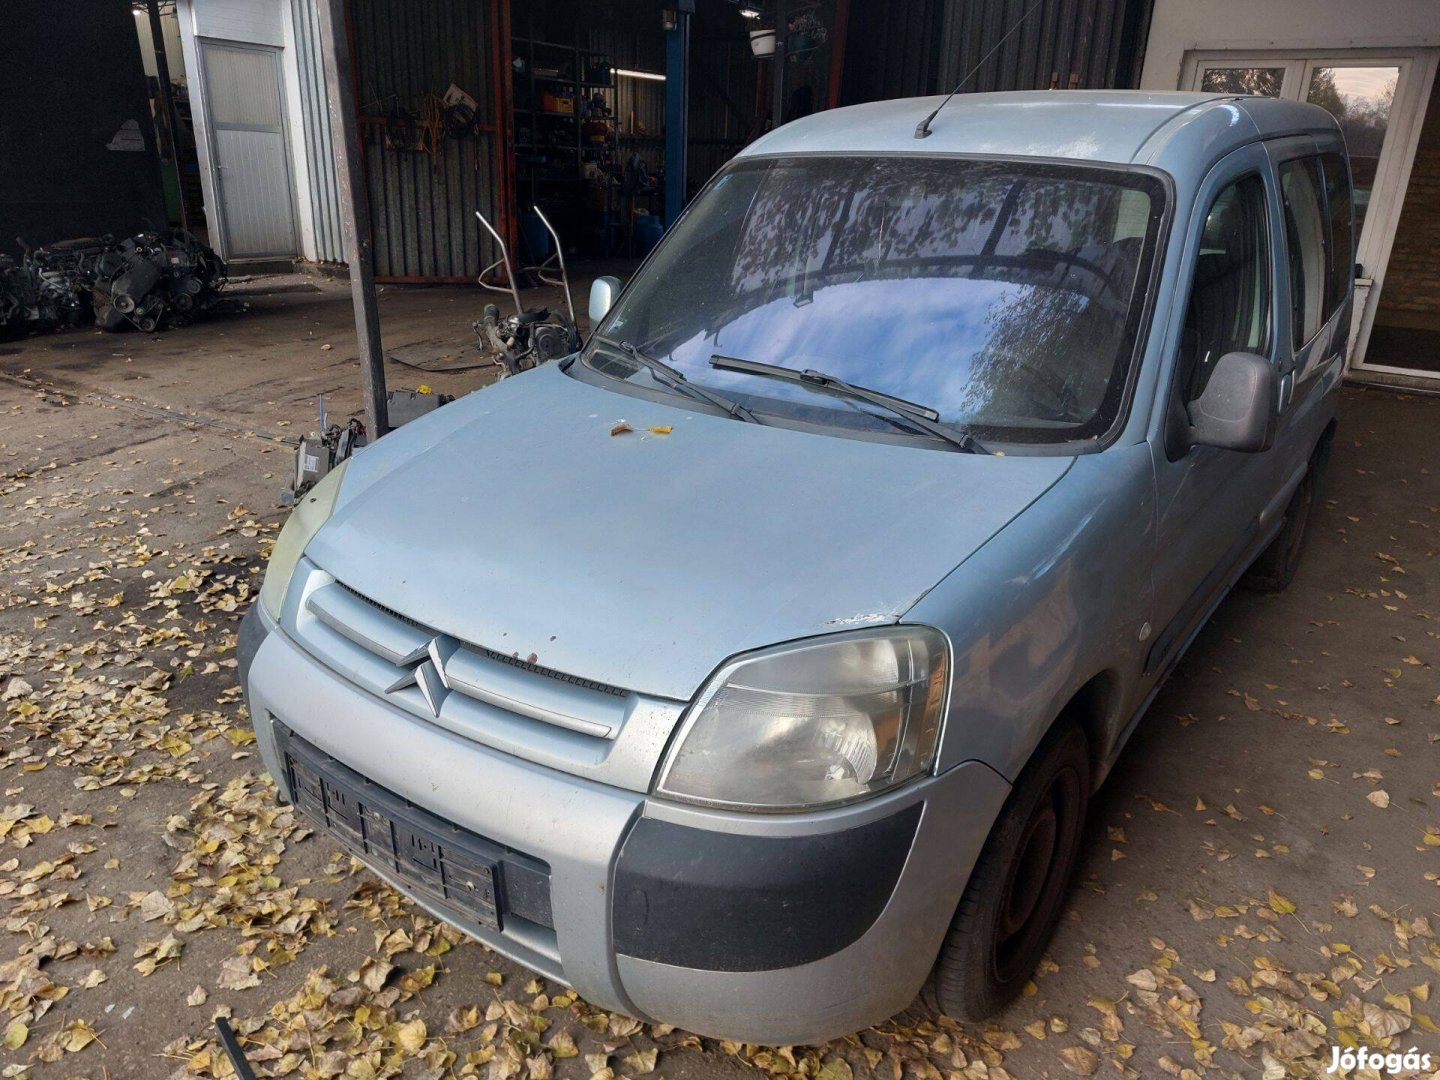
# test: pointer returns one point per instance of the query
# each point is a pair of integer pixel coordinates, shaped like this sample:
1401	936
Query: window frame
1267	260
1309	160
1140	337
1333	308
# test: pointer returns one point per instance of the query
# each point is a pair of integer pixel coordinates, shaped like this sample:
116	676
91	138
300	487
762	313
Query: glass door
1360	95
1378	100
1404	332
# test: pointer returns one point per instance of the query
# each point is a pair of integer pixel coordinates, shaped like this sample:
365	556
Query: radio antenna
922	129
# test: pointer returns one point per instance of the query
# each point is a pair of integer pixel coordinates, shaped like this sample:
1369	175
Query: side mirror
603	291
1237	409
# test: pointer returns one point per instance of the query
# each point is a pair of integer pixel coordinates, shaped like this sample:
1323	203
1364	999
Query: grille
381	607
513	661
421	669
474	880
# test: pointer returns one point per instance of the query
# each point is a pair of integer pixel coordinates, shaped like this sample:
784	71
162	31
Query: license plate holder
431	860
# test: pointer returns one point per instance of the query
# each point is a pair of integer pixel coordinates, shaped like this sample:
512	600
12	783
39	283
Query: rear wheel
1018	887
1277	564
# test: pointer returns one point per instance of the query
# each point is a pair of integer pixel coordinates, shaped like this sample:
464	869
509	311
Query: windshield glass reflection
1004	295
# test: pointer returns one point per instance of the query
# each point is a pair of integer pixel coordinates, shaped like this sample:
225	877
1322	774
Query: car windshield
1006	296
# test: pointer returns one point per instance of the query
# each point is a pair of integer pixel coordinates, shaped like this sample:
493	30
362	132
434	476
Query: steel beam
167	103
354	210
677	108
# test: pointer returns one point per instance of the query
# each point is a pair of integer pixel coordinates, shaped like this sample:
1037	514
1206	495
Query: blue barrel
648	230
534	236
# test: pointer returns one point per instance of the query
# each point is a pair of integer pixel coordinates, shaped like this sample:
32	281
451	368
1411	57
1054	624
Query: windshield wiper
663	373
917	416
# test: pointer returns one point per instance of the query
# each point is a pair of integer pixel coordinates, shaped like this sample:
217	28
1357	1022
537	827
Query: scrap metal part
156	279
150	281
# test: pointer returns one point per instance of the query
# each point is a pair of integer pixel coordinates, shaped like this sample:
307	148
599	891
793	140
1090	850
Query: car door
1209	501
1312	328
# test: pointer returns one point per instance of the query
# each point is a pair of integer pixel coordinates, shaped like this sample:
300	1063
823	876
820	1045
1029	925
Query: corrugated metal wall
722	104
1064	44
892	50
912	47
423	201
315	127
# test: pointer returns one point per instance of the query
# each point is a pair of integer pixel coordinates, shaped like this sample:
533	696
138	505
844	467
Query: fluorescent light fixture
626	73
749	13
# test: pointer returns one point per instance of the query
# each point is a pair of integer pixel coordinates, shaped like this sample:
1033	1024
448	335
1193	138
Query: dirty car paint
644	561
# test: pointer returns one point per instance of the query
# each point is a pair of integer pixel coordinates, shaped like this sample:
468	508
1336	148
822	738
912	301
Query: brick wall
1412	277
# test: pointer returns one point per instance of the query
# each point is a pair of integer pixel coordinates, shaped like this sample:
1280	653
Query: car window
1005	295
1229	308
1305	235
1342	255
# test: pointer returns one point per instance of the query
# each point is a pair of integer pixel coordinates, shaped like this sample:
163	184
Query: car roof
1115	126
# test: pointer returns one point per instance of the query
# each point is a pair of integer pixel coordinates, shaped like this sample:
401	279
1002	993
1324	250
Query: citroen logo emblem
426	669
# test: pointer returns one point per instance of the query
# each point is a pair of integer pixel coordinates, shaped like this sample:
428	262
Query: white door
252	164
1379	98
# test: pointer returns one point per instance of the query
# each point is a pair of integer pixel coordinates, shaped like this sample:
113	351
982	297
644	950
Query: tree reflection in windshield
1003	295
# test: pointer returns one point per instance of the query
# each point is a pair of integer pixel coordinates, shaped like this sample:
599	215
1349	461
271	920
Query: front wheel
1018	887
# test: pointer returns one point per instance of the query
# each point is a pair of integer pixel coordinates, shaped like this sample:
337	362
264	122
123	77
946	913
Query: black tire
1273	571
1018	887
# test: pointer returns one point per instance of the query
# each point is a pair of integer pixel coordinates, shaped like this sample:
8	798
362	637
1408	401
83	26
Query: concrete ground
1260	879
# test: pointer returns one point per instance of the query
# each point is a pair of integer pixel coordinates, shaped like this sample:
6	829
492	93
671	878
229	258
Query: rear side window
1342	254
1306	232
1229	309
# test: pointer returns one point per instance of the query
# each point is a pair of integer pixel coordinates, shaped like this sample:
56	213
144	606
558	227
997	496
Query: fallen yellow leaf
1281	905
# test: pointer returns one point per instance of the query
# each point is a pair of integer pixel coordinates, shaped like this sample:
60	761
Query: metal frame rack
550	145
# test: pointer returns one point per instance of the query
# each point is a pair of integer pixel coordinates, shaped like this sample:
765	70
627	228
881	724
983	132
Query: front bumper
772	929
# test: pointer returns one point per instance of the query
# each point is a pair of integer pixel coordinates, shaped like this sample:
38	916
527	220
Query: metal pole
777	78
837	50
354	210
167	102
677	109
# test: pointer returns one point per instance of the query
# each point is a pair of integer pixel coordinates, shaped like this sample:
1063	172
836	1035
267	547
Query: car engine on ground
151	281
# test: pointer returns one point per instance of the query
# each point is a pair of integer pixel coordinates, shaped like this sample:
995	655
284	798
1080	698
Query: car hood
516	520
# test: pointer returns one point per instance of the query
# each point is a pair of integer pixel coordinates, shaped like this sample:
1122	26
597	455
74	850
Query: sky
1364	81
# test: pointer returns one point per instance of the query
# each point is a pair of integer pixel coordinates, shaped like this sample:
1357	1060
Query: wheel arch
1094	708
1324	446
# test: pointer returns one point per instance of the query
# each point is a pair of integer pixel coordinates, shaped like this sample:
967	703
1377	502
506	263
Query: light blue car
751	669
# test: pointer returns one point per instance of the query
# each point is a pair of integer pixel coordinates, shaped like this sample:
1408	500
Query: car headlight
813	724
311	512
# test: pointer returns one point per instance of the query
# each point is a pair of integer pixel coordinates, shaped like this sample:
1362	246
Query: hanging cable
432	125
